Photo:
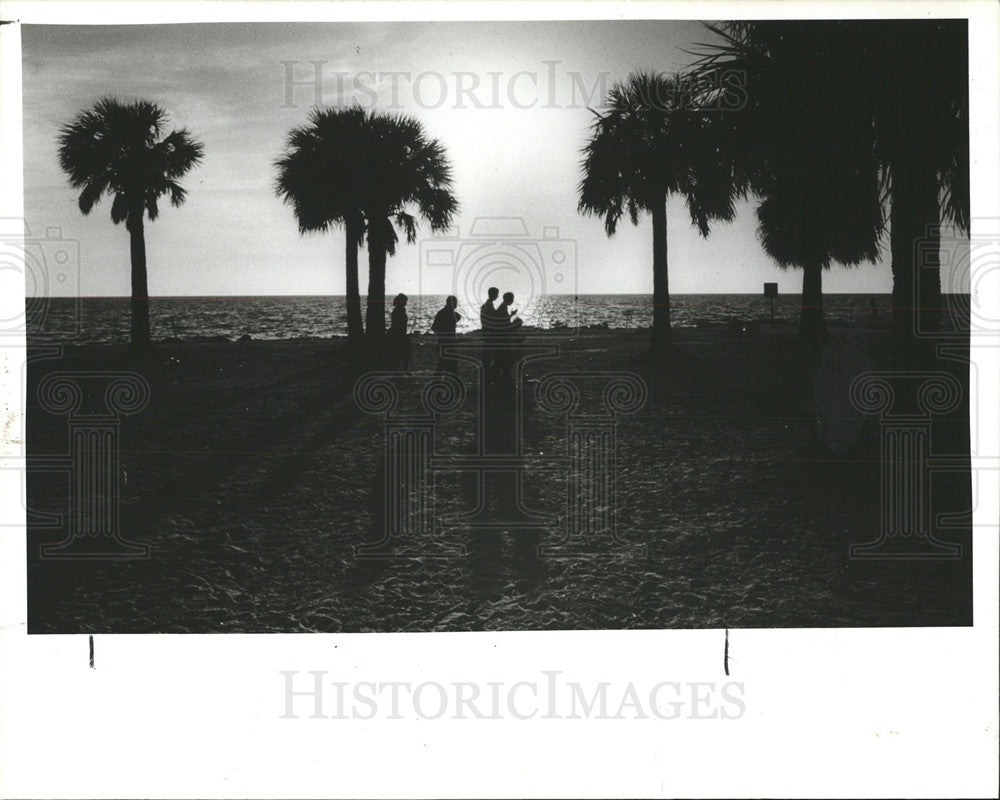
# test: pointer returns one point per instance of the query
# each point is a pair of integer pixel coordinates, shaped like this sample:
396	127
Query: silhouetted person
507	326
445	322
398	342
488	324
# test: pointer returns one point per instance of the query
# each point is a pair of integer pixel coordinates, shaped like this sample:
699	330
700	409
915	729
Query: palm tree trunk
355	326
662	336
812	328
375	315
140	288
915	246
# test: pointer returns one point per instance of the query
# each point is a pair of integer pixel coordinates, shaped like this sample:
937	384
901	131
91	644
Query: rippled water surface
106	320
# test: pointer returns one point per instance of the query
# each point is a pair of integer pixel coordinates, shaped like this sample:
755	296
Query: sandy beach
252	475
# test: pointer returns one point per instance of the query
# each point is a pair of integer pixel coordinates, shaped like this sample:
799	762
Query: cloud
226	83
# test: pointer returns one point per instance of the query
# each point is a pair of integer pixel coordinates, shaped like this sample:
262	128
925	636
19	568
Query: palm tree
812	218
321	175
652	143
881	91
119	149
801	146
920	108
406	175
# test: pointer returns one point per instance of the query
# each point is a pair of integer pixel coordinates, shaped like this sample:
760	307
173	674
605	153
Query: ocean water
106	320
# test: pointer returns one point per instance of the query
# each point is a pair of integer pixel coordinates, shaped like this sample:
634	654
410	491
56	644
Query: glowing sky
514	141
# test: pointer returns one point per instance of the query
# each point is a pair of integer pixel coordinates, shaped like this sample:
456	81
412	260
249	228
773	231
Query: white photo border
828	712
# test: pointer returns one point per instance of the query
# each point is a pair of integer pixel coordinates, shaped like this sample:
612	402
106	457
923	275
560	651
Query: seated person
507	326
444	325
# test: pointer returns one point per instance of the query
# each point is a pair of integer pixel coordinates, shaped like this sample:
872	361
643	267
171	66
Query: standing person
445	322
488	324
507	324
399	347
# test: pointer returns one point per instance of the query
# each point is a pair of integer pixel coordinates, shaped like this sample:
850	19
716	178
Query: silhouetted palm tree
321	175
119	149
653	142
407	175
920	106
813	218
912	107
802	145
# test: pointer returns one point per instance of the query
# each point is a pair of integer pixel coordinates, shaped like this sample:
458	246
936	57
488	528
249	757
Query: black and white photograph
448	325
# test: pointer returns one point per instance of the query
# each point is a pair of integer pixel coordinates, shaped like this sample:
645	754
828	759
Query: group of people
499	326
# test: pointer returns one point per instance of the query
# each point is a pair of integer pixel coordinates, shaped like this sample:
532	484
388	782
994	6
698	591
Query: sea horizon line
440	294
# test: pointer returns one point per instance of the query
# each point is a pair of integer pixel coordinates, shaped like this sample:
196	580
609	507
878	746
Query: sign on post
770	292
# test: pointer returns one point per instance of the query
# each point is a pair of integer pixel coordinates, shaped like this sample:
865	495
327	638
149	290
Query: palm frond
654	141
118	148
369	166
